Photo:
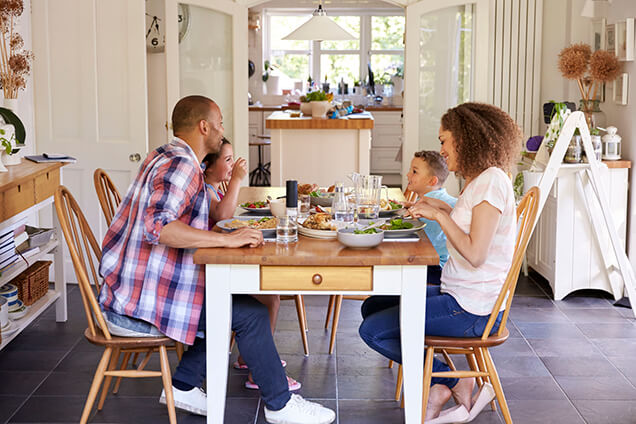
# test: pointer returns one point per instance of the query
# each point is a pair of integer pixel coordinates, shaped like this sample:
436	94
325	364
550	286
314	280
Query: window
379	43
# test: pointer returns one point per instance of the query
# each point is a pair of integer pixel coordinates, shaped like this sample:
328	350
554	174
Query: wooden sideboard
24	190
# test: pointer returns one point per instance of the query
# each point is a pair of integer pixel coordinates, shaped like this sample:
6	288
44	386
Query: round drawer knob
316	279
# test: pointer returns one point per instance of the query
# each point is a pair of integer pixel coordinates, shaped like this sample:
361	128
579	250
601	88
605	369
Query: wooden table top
282	120
25	171
316	252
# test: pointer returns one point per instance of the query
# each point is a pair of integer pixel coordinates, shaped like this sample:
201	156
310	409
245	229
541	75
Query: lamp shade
319	27
595	9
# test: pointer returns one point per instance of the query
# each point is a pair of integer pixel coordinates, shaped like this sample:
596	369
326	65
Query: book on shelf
20	238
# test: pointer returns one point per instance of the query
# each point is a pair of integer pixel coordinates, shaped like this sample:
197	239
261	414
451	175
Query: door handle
135	157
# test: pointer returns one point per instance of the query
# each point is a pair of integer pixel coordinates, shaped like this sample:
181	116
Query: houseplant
271	81
15	65
590	71
7	146
320	103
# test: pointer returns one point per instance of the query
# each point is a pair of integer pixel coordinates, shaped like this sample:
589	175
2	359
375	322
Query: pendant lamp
319	27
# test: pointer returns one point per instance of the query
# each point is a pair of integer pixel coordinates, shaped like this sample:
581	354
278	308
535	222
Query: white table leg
60	275
412	316
218	328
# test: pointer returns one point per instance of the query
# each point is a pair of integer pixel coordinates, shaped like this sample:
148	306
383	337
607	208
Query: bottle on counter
341	209
287	226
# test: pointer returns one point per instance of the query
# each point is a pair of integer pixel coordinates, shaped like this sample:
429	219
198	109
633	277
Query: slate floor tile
607	411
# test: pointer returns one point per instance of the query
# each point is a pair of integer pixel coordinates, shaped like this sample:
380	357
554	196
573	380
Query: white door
208	56
446	63
90	91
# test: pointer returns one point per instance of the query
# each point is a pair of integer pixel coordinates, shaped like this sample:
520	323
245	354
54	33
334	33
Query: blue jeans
250	322
433	274
380	328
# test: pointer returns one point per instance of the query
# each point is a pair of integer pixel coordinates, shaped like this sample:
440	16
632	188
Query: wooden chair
109	200
84	248
482	367
107	193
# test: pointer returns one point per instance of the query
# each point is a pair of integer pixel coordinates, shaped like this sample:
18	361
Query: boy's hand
239	170
245	237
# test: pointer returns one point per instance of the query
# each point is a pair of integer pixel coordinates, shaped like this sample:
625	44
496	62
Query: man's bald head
191	110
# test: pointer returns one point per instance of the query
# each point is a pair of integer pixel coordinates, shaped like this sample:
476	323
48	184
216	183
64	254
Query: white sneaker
194	400
300	411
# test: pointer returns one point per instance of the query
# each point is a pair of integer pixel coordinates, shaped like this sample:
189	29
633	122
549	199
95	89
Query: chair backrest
107	193
84	251
410	196
527	213
223	187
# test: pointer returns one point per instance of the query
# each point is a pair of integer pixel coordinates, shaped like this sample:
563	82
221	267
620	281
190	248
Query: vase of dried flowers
15	60
590	71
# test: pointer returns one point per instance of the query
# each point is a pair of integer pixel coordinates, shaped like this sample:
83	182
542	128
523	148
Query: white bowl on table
347	237
278	207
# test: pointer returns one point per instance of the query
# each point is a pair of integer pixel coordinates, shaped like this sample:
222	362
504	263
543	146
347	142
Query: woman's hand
423	210
239	170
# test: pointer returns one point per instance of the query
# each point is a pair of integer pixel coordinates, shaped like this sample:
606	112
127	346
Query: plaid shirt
147	280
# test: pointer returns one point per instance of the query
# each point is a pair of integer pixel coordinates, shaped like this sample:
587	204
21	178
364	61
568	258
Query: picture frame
621	85
624	39
598	34
610	38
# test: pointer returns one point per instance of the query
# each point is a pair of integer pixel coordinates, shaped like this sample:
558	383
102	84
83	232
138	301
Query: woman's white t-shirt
476	288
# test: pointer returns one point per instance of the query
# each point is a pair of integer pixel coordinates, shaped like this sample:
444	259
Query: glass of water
304	203
286	229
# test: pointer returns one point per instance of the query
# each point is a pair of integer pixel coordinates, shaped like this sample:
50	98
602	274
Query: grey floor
572	361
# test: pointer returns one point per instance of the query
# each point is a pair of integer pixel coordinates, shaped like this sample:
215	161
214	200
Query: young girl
220	168
480	142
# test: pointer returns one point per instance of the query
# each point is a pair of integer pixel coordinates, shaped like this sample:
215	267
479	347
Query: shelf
34	311
18	266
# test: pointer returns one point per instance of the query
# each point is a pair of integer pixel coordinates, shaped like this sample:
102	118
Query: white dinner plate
319	234
224	225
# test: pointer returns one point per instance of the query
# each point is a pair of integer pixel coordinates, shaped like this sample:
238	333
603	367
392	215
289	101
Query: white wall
563	25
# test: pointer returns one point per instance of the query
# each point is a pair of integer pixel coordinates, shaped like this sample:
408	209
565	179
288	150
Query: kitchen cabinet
563	247
386	141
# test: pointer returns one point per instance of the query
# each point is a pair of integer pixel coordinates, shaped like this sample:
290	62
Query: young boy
426	176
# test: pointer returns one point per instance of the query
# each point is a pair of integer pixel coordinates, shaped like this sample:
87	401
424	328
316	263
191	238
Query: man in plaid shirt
152	286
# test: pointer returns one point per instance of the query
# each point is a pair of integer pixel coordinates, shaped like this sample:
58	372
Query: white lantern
611	144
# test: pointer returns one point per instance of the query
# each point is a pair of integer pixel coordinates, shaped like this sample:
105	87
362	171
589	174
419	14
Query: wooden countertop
618	163
25	171
283	107
281	120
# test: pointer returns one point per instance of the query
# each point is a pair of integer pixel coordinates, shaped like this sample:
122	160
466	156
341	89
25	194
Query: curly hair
485	136
435	163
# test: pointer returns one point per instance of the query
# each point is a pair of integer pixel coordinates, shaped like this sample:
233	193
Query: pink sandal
239	366
293	384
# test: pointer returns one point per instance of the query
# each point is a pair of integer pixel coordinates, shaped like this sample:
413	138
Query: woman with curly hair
480	142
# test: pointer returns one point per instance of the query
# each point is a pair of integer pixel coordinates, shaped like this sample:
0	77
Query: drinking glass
303	206
368	189
286	229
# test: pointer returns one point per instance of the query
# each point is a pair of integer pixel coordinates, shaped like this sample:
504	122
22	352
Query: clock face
155	28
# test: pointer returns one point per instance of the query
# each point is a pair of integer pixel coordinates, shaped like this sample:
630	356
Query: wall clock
155	28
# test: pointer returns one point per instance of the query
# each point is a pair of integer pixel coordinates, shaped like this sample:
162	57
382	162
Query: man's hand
239	171
244	237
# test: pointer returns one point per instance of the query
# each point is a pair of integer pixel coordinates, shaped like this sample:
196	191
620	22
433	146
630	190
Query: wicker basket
33	282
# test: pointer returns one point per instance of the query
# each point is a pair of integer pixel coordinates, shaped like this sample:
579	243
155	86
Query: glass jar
594	116
573	153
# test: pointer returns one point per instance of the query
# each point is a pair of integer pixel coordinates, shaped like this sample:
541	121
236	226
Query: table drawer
17	199
46	184
316	278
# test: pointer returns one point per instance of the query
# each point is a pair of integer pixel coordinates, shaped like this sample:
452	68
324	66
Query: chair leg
167	383
391	363
114	359
448	360
332	299
334	324
134	361
178	347
482	367
398	385
496	383
124	364
95	385
301	322
302	302
428	370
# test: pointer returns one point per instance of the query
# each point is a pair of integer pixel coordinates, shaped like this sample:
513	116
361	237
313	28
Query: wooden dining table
315	266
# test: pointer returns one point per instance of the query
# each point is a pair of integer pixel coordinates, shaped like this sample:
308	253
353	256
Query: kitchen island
317	150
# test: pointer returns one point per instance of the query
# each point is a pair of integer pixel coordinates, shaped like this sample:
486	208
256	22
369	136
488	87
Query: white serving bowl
347	237
278	207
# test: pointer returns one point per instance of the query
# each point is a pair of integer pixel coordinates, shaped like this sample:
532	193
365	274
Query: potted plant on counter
305	106
271	81
320	103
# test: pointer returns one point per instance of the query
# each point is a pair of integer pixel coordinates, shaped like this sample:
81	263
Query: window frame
315	51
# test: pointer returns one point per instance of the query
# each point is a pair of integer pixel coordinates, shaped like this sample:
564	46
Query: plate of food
390	207
321	198
319	225
266	224
256	206
400	227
